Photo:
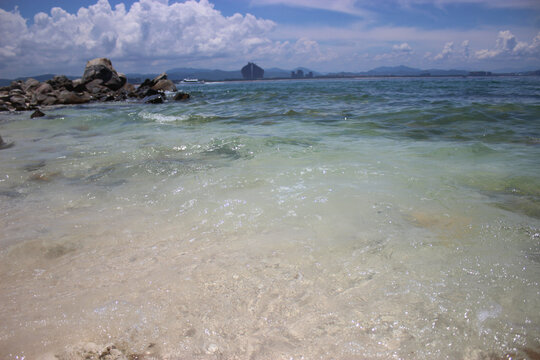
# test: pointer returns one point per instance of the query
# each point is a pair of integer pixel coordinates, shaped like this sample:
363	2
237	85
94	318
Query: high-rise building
252	72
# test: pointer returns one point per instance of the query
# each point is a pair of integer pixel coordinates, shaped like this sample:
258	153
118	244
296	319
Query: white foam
160	118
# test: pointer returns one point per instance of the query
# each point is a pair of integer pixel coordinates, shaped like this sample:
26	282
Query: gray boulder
60	82
18	101
101	68
44	88
50	99
164	85
31	84
69	97
78	85
162	76
96	86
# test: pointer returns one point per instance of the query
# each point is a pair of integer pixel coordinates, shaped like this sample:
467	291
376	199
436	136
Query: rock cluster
153	91
100	82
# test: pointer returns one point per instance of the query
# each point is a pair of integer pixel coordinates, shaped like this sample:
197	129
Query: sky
151	36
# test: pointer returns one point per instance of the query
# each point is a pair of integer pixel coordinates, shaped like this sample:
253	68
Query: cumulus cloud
507	45
150	31
399	51
403	47
446	52
465	47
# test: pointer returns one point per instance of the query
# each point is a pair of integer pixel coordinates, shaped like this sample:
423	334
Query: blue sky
341	35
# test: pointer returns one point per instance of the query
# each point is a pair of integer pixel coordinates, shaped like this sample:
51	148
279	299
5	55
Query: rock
145	91
60	82
153	99
96	86
18	101
4	145
147	83
100	82
16	92
44	88
30	84
101	68
78	85
18	84
50	99
162	76
180	96
123	79
164	85
128	87
69	97
37	113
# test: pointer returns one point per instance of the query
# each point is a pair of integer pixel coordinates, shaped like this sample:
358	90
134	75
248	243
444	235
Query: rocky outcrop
152	87
61	82
102	69
100	82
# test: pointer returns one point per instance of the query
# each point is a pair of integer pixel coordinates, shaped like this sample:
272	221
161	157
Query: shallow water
352	219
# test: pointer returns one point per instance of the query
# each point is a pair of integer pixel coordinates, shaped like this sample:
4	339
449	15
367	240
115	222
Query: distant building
309	75
299	74
252	72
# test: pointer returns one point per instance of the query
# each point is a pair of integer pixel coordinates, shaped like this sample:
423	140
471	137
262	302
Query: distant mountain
402	71
452	72
395	70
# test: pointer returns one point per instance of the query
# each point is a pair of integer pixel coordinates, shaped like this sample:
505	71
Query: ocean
387	218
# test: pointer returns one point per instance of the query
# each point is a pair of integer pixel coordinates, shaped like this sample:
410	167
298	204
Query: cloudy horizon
151	36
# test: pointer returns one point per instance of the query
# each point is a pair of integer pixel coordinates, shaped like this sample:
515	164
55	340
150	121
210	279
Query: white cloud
446	52
403	47
465	46
150	31
399	51
507	45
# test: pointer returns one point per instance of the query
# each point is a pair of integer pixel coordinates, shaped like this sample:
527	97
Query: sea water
316	219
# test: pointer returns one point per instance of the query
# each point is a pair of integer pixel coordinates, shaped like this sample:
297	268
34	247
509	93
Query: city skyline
155	35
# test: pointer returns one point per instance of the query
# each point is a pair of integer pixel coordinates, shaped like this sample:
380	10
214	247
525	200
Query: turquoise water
324	219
